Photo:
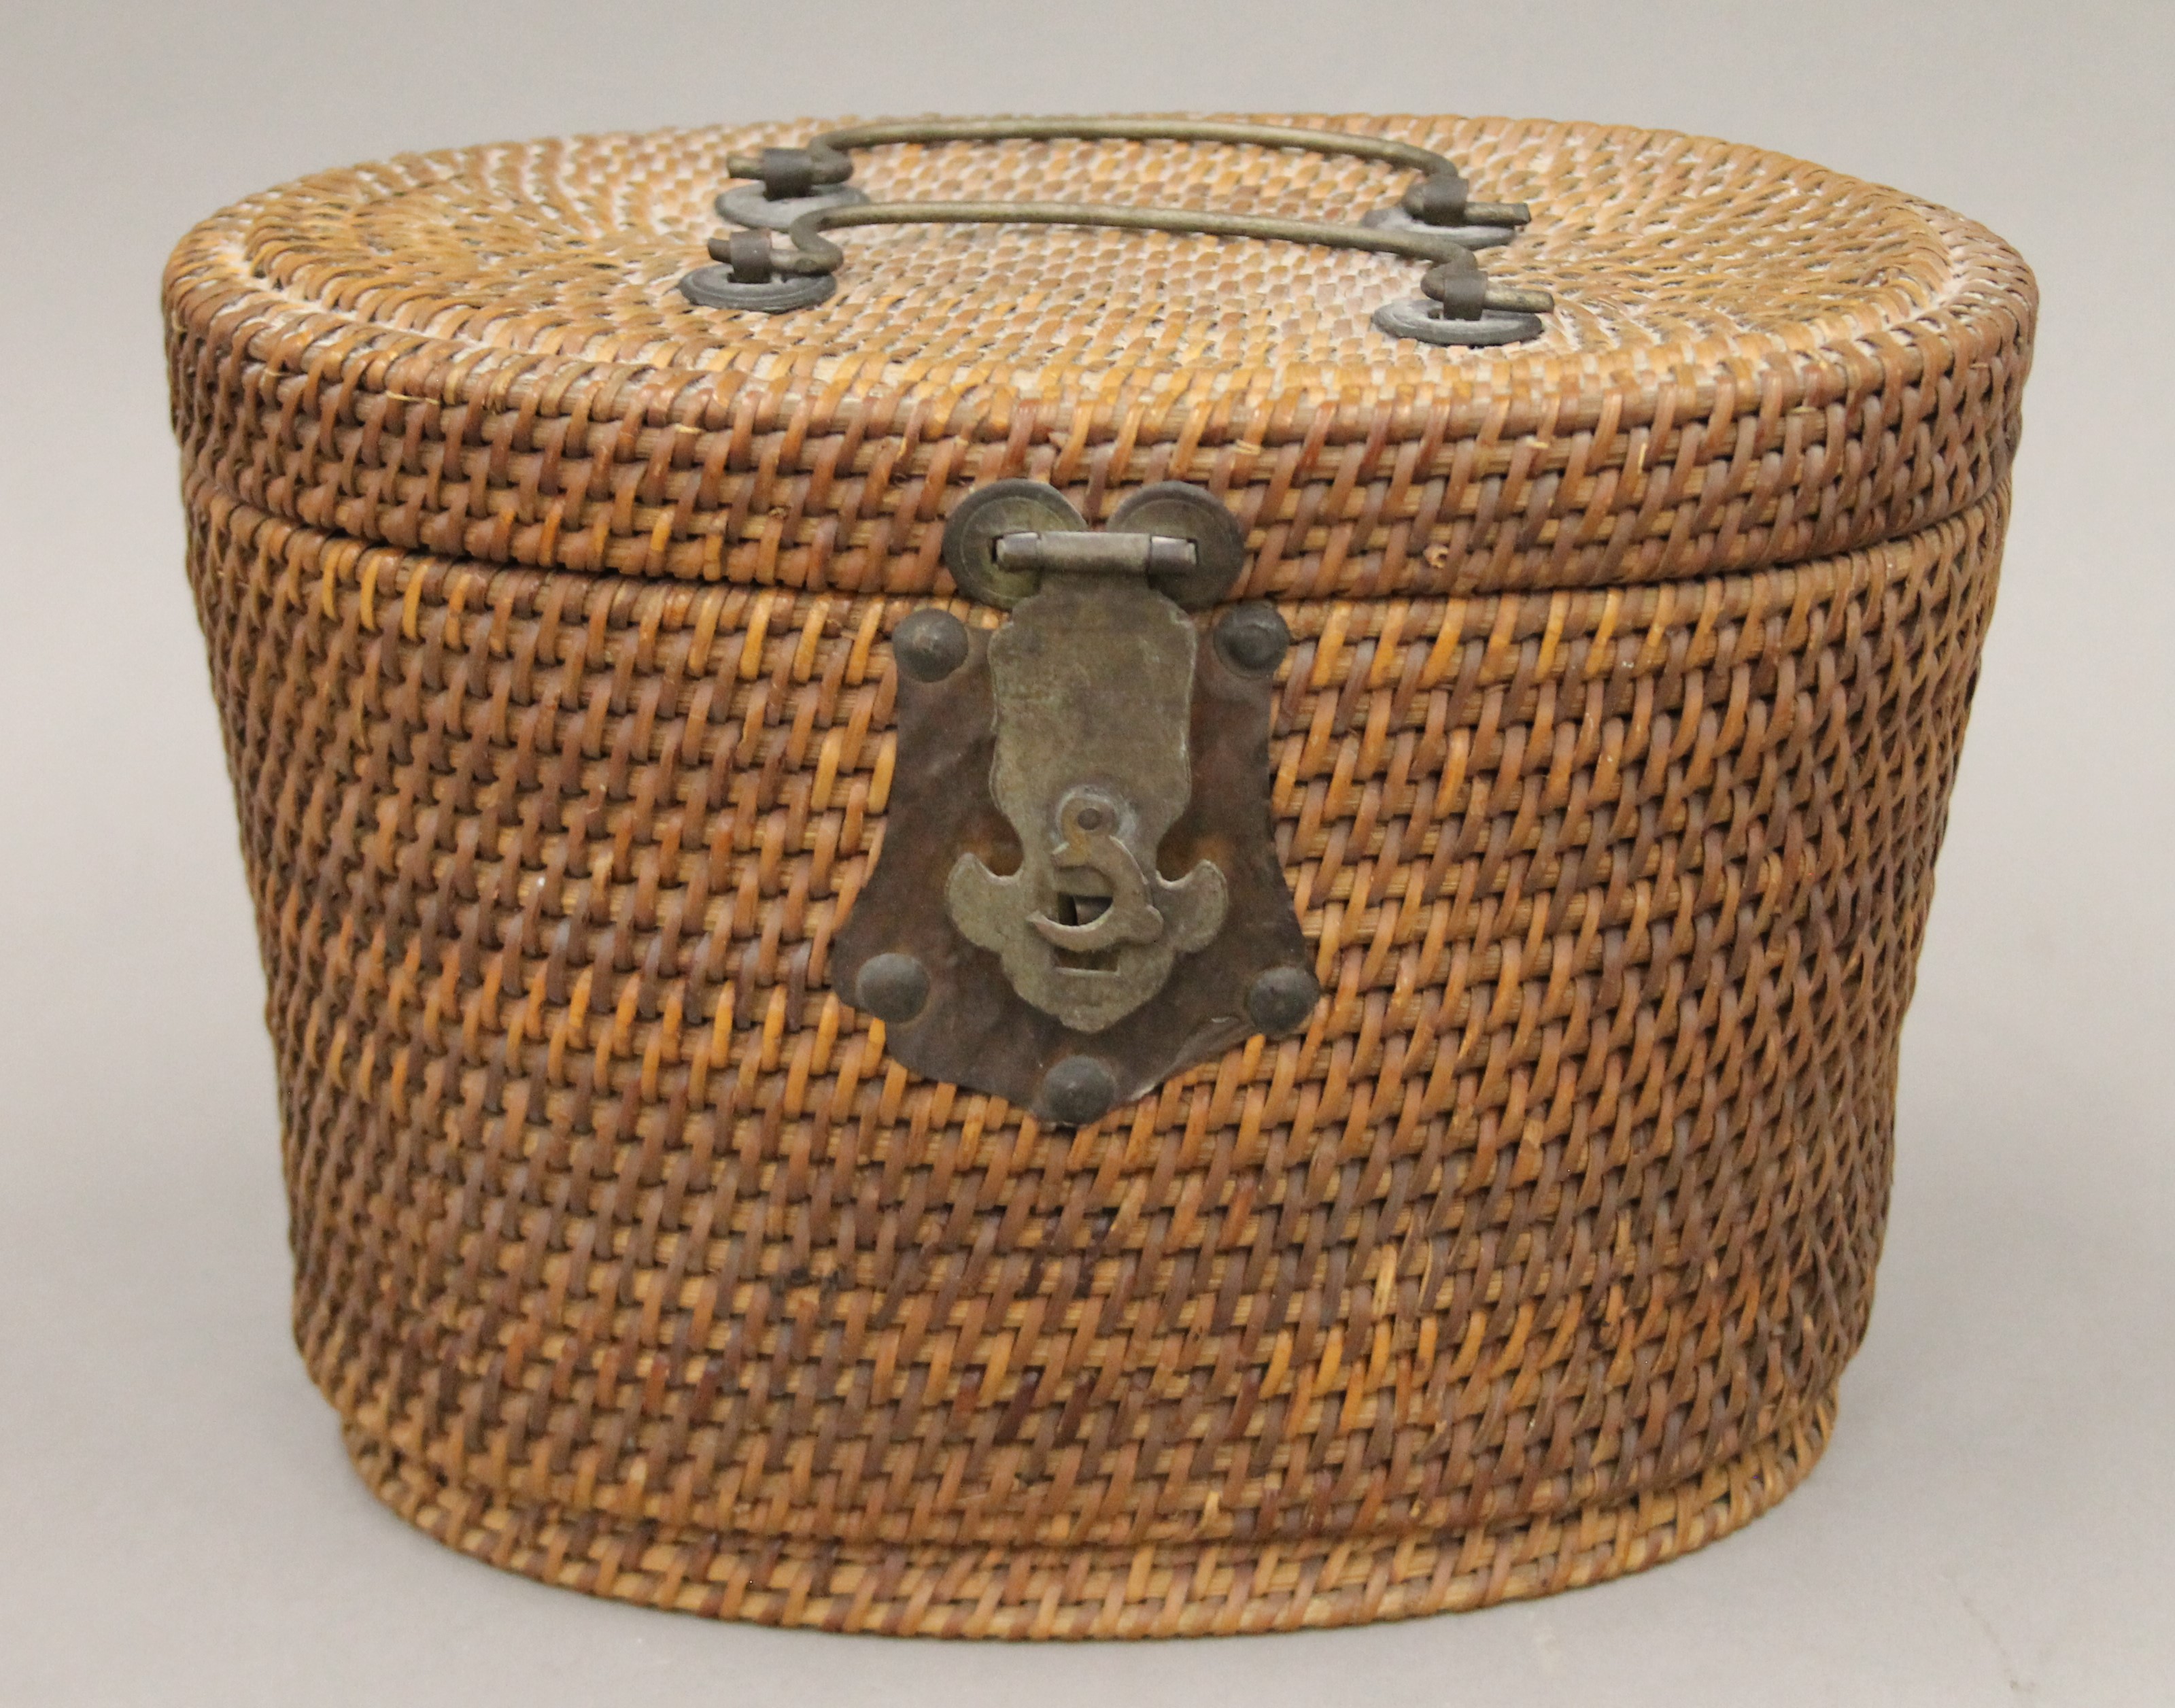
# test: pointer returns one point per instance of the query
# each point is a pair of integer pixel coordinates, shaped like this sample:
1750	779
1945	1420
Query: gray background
1996	1520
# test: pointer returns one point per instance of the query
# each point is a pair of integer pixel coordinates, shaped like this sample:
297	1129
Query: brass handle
1439	199
1458	305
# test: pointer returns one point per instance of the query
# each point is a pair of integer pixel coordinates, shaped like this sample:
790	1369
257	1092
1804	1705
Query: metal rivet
1280	999
1417	317
894	988
1078	1090
715	287
929	645
1252	638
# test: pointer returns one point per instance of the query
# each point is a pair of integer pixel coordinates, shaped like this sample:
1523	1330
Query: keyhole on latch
1081	910
1098	900
1083	897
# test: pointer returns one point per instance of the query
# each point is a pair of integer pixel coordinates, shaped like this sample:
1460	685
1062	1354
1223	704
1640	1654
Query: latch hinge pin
1093	554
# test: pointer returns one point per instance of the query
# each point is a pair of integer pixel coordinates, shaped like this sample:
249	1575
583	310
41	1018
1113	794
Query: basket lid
485	353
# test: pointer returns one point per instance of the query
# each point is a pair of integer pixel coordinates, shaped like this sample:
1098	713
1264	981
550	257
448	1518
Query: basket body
1610	762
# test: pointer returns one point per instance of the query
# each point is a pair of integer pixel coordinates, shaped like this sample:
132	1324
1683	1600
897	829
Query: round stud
1417	317
929	645
894	988
1252	638
987	514
1078	1090
1176	511
715	287
1280	999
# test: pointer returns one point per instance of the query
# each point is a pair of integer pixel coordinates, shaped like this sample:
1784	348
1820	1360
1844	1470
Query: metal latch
1078	891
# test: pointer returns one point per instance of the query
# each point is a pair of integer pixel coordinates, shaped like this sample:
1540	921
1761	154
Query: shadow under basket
1131	911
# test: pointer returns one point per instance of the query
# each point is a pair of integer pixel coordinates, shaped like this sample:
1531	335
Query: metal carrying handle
1440	198
1436	221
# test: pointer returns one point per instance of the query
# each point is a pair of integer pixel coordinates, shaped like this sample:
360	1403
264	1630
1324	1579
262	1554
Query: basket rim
1870	410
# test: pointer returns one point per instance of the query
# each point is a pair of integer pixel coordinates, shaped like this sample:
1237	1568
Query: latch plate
1078	891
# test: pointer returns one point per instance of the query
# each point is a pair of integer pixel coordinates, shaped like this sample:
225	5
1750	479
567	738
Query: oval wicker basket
548	615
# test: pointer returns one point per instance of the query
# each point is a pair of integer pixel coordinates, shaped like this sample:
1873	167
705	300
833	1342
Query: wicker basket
550	615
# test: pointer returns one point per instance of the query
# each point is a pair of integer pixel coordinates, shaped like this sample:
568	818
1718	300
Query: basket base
1168	1590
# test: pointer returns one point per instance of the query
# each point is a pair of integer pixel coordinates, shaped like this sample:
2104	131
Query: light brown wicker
548	616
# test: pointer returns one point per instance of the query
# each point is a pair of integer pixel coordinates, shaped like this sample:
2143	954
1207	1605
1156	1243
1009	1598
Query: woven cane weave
548	618
480	354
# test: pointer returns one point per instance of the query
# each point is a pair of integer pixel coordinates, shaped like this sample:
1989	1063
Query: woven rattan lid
483	353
